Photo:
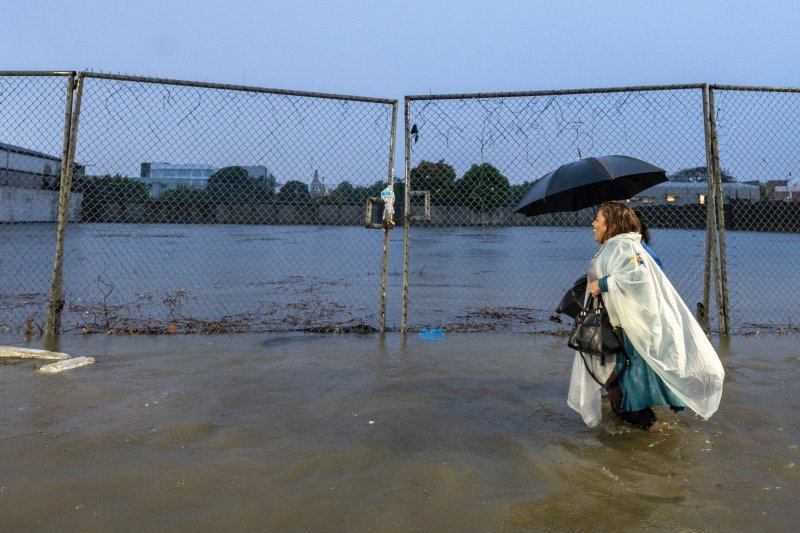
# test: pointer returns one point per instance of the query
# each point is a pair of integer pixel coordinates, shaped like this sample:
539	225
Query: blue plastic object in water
431	334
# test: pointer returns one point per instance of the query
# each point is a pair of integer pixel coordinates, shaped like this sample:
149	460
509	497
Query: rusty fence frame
715	266
717	160
74	92
716	263
55	301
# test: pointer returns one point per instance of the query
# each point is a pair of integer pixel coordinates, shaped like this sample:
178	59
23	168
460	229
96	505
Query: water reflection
370	432
213	278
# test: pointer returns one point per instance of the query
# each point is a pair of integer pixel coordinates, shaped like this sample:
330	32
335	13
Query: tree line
482	187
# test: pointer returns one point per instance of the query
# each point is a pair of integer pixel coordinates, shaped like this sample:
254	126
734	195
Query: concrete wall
35	205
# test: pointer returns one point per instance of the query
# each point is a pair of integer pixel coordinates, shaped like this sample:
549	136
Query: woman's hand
594	288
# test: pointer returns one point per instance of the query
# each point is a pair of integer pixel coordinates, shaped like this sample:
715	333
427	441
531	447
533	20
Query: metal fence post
711	223
246	179
56	304
406	219
387	229
725	326
478	158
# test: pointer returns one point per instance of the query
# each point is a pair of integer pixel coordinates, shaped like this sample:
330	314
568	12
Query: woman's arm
598	286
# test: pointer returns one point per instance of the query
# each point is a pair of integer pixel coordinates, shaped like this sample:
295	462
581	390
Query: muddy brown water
285	432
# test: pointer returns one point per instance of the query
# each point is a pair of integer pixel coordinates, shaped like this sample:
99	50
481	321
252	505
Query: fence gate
758	143
475	265
207	208
196	207
35	114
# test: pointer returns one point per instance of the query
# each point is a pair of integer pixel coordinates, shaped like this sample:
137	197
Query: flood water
146	277
302	432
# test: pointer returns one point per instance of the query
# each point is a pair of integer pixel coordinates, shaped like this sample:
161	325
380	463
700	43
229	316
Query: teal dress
641	386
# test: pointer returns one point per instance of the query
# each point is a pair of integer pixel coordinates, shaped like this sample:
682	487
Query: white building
786	193
29	169
160	177
24	173
694	192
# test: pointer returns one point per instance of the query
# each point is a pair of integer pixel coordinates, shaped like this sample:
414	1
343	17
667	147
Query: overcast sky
392	48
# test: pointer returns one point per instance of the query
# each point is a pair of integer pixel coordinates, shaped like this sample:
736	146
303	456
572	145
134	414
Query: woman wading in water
667	358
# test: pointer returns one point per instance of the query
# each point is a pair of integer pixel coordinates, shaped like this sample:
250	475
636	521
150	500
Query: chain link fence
758	145
34	109
478	265
209	208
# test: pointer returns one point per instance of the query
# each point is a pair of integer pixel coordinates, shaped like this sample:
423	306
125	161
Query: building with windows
160	177
782	191
694	192
28	186
786	193
28	169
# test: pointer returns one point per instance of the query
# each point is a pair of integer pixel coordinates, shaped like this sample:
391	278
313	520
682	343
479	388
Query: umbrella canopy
590	181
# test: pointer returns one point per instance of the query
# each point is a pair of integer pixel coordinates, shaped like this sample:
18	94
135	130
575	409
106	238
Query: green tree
234	185
114	189
437	178
99	192
261	192
483	187
361	193
294	192
698	174
399	196
342	194
229	185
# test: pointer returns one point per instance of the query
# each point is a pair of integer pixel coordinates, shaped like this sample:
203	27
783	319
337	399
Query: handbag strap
589	303
616	378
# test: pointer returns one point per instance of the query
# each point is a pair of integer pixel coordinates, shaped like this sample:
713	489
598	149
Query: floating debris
66	364
30	353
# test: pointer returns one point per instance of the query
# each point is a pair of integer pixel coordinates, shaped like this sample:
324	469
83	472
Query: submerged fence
200	207
35	112
182	187
484	151
758	143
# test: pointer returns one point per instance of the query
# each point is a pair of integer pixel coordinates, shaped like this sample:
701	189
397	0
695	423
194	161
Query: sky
391	48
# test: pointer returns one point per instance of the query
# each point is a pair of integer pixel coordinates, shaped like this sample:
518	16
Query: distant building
317	188
686	193
782	191
160	177
29	169
785	193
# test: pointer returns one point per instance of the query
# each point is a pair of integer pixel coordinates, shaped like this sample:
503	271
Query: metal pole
244	88
384	274
386	229
710	217
712	213
723	264
56	305
406	220
639	88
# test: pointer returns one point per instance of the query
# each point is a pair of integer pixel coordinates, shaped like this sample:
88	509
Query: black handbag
570	303
592	332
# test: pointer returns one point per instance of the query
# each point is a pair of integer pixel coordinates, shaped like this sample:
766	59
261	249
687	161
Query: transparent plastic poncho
660	327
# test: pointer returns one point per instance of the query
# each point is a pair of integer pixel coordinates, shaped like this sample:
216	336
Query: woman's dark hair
644	228
619	219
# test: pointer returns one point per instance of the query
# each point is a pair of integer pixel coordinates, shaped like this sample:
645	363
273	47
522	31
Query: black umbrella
590	181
